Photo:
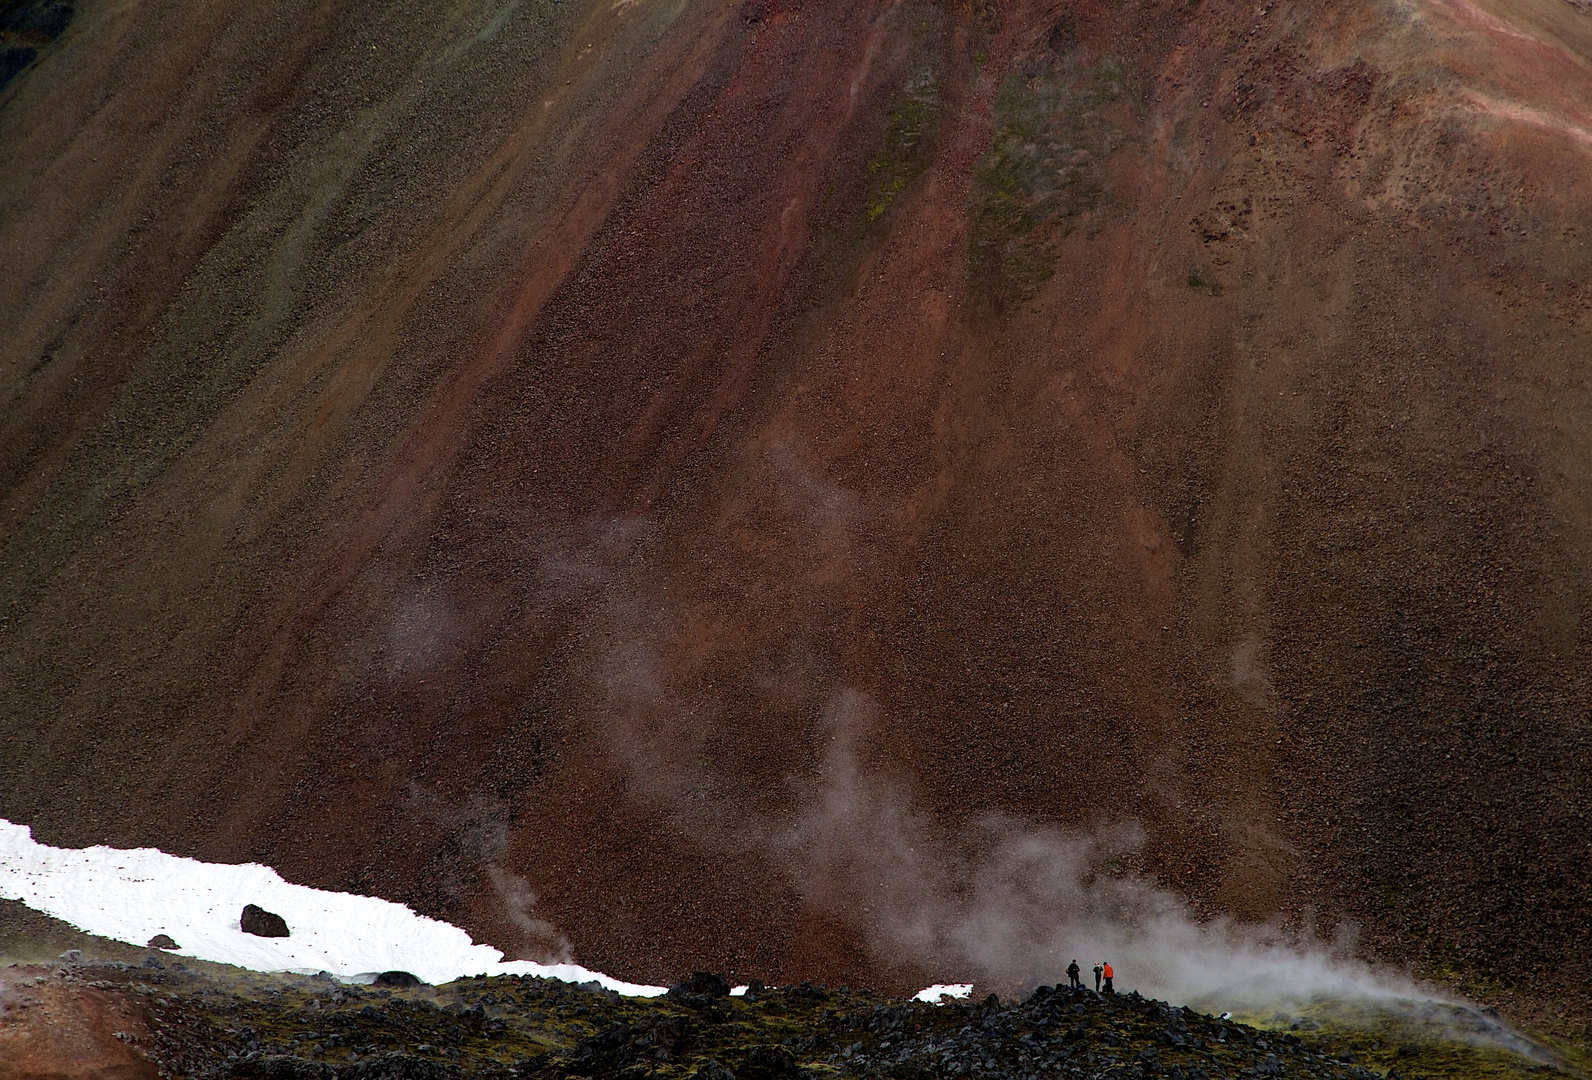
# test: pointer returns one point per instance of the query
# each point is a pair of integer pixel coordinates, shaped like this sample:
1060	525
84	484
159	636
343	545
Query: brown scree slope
628	454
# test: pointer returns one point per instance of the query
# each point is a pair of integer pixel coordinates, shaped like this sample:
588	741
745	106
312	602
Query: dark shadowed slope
711	457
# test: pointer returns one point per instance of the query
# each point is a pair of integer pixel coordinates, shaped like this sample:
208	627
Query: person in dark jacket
1097	978
1072	974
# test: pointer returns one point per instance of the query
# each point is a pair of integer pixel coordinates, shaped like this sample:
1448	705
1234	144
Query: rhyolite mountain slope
694	454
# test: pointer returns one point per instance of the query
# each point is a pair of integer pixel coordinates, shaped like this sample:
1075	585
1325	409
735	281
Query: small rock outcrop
262	923
712	1070
401	980
162	941
700	984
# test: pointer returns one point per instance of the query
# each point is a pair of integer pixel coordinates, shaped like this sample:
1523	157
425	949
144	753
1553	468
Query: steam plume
1033	898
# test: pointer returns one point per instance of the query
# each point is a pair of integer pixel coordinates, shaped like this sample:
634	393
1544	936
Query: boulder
399	979
701	984
162	941
262	923
712	1070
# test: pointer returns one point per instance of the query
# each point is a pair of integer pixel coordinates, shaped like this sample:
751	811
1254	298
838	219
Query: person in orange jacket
1106	971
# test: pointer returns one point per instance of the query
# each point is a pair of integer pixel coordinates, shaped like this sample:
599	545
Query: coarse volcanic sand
586	469
52	1030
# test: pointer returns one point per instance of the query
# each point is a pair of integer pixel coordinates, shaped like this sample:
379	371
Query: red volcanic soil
51	1029
656	477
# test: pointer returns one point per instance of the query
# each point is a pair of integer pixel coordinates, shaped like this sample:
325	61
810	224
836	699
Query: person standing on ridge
1108	979
1072	975
1097	978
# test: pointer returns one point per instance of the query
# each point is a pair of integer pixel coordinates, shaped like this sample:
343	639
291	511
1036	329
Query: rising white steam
519	901
1029	899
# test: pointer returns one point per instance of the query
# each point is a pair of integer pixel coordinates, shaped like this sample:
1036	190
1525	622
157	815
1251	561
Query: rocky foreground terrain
108	1011
173	1021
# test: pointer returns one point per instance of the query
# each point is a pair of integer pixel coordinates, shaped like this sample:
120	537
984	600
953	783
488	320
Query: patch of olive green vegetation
1042	177
905	150
1568	1037
1422	1039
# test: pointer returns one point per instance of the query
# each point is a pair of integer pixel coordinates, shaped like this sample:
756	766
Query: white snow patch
133	895
935	993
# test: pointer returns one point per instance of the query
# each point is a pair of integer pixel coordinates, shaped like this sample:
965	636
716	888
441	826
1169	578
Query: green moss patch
904	152
1042	177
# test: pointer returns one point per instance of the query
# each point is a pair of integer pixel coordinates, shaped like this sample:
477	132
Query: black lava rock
701	984
273	1067
399	979
162	941
769	1063
401	1067
262	923
808	992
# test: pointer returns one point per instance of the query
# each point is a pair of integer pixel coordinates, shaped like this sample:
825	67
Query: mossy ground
1425	1039
1057	120
224	1023
904	152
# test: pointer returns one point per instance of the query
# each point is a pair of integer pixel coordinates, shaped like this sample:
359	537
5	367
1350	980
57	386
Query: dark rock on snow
399	979
162	941
262	923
